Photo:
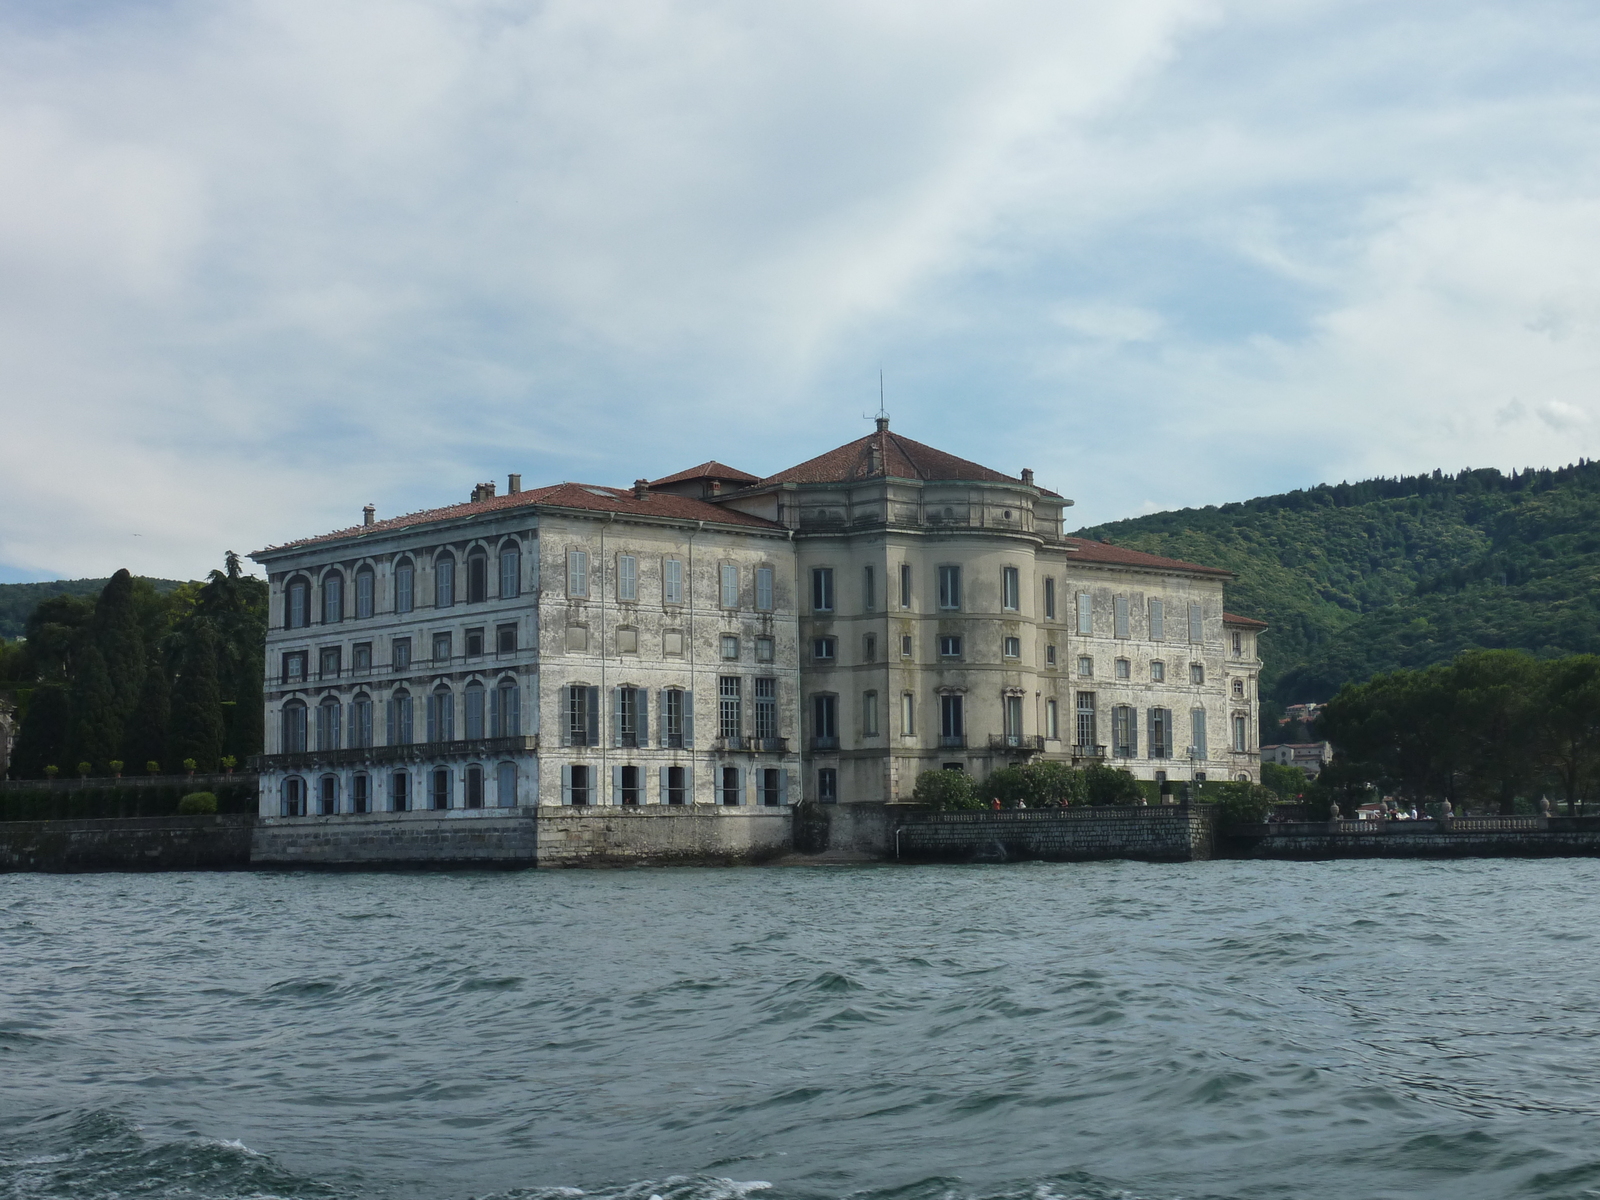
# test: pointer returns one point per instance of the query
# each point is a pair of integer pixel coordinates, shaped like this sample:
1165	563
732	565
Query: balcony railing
952	741
1028	743
1089	752
758	745
824	743
354	756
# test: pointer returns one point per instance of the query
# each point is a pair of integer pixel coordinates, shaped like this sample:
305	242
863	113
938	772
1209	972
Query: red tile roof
899	458
708	470
560	495
1229	618
1087	550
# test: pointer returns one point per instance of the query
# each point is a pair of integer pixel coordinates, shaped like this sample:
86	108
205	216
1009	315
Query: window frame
671	581
627	579
728	585
766	593
444	580
405	585
949	575
822	596
577	572
1011	589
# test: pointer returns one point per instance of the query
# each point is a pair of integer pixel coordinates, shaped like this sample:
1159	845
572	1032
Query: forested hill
1357	578
17	600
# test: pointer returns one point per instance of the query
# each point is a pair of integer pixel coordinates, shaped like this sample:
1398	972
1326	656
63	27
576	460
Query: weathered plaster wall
652	835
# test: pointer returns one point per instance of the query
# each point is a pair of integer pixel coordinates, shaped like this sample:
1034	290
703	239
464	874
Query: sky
263	262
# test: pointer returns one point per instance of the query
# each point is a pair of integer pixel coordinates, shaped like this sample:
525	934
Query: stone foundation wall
220	843
1150	834
459	838
1468	837
658	836
865	829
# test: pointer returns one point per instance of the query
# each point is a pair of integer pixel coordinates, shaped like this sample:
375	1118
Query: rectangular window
730	647
1158	671
1085	665
764	589
294	730
1011	719
908	714
401	728
730	786
674	709
361	721
822	649
1160	733
730	586
578	793
869	647
952	720
298	605
505	715
400	652
905	645
677	784
771	787
332	600
294	667
627	578
477	579
441	647
1050	655
329	662
950	587
400	791
730	717
766	708
628	778
1052	721
405	578
475	713
1240	742
1120	608
1238	645
825	721
1124	669
821	589
905	585
1010	588
827	785
1013	647
1197	732
361	658
583	719
1196	626
577	572
949	647
475	643
1124	732
1086	729
672	581
1085	613
328	725
510	585
441	717
1197	673
1050	598
505	639
764	652
505	784
869	714
1158	622
364	598
444	582
869	589
628	705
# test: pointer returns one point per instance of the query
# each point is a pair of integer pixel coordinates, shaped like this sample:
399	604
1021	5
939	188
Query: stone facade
1166	833
219	843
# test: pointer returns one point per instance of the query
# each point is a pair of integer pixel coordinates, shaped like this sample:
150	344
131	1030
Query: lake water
1022	1032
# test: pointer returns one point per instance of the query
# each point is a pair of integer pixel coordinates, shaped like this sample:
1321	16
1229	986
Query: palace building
826	633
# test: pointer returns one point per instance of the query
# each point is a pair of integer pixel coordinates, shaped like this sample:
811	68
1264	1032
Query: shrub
1243	803
84	768
946	790
196	803
189	764
153	767
1110	785
1288	782
1036	784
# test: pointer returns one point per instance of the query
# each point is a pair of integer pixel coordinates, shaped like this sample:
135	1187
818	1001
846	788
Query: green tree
145	736
1104	784
118	637
46	729
96	728
196	727
1287	782
1570	722
946	790
55	631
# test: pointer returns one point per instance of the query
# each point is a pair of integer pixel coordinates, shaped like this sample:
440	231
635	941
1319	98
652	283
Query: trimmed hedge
90	804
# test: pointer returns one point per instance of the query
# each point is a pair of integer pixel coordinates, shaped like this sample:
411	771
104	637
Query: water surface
1024	1032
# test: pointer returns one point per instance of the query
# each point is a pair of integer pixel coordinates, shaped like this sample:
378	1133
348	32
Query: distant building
1304	713
825	633
1310	757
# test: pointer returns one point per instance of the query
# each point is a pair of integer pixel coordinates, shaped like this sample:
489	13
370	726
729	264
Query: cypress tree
96	727
196	729
245	735
120	640
42	740
145	739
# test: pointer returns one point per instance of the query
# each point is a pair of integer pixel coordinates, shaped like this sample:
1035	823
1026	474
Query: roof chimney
369	515
715	487
641	489
488	490
513	484
1027	476
883	424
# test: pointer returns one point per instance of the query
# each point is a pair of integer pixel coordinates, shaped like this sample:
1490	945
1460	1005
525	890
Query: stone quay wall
201	843
1165	833
655	835
1461	837
485	838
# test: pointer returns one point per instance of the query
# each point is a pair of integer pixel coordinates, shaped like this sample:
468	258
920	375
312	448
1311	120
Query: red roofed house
827	633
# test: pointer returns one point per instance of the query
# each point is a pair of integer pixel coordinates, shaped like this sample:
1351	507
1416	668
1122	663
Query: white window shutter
566	783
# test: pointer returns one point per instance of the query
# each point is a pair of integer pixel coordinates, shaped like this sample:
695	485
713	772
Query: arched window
328	796
328	724
439	788
474	798
506	785
405	578
444	580
294	795
364	589
505	703
294	728
441	716
361	720
332	598
474	697
400	729
297	603
477	577
510	570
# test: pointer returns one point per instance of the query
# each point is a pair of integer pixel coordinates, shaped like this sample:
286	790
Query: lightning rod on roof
882	417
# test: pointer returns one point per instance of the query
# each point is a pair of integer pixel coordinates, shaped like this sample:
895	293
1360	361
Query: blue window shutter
661	732
642	717
739	791
661	798
494	712
688	720
564	715
594	716
1133	733
616	785
566	783
783	787
616	717
513	715
389	741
